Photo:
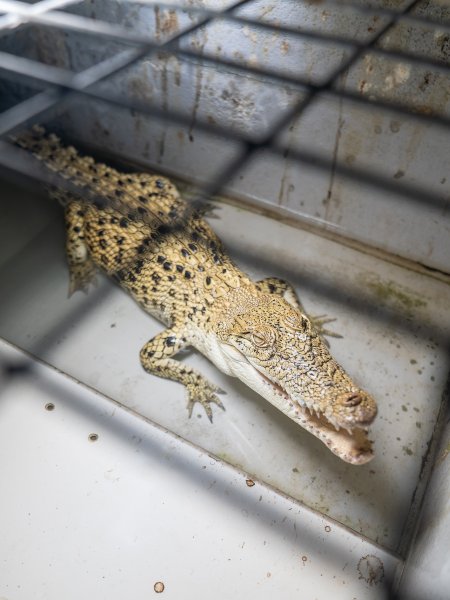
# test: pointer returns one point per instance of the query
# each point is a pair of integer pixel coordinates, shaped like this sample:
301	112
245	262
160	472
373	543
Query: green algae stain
390	292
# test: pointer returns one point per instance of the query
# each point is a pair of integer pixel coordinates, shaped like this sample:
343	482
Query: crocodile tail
71	174
42	145
61	159
47	148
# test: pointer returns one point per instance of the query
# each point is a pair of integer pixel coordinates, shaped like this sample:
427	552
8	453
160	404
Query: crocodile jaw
353	447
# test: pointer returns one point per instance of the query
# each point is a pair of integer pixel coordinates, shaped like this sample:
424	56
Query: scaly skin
137	229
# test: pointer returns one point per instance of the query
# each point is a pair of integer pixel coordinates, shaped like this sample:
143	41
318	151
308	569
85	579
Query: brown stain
198	44
427	79
52	50
166	22
157	23
331	196
169	22
443	43
161	28
267	10
177	72
370	569
198	93
285	46
165	102
413	144
283	196
362	86
332	201
140	86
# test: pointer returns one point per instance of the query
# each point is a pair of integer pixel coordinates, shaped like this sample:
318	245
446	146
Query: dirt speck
285	47
93	437
362	85
327	528
50	406
249	482
159	587
443	42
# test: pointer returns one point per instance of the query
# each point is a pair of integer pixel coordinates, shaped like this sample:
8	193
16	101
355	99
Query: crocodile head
273	348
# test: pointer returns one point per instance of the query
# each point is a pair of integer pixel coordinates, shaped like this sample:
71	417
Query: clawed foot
81	276
318	323
204	393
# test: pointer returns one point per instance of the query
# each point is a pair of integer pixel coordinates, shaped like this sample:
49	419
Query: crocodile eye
297	322
258	340
264	337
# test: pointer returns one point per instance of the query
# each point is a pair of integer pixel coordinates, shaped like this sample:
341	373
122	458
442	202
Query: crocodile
161	250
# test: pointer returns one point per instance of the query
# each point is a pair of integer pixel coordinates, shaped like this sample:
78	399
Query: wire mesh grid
60	86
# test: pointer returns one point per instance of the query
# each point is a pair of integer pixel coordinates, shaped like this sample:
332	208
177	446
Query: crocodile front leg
274	285
157	359
82	269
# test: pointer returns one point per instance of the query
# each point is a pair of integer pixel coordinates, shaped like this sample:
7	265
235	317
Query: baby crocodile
137	229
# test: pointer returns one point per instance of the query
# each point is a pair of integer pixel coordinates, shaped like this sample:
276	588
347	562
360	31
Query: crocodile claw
318	323
204	393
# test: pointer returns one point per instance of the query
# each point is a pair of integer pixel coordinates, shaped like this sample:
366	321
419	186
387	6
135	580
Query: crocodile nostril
353	400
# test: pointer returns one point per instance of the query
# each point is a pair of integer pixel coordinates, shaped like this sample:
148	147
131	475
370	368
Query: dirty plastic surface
392	321
102	504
